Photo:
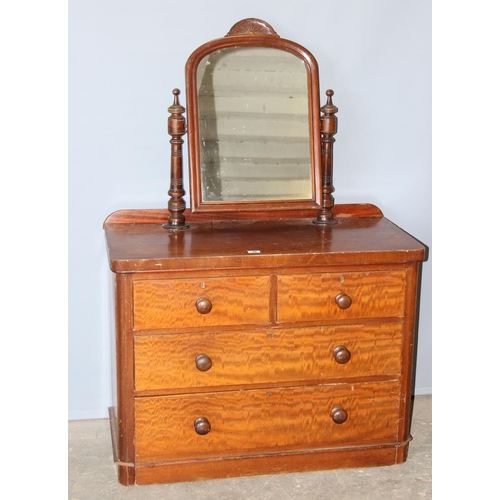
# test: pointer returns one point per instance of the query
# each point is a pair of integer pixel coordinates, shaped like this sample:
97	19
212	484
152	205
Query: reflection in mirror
254	125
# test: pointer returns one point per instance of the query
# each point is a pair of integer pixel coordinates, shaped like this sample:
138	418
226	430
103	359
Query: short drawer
205	360
326	296
259	421
201	302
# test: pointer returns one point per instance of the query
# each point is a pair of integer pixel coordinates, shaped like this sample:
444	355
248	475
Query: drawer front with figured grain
265	420
201	302
332	296
204	360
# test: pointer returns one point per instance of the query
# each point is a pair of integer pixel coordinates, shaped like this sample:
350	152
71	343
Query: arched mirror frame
252	33
322	125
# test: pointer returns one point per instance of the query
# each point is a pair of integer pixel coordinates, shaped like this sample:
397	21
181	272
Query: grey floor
92	473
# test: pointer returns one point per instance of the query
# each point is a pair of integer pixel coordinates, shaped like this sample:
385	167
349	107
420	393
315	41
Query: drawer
259	421
199	302
326	296
266	356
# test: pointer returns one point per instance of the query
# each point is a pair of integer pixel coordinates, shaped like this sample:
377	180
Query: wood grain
235	300
135	246
270	322
266	356
271	463
160	215
311	297
263	420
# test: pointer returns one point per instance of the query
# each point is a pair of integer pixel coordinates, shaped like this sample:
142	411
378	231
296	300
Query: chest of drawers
261	347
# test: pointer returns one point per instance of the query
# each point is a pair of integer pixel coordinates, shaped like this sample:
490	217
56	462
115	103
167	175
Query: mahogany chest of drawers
261	347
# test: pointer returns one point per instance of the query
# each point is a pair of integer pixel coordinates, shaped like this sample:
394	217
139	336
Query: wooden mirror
258	147
253	119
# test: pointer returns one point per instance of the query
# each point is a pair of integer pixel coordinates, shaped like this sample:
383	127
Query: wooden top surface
136	242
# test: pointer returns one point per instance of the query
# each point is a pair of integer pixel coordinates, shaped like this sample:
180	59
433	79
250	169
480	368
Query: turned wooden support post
328	128
176	203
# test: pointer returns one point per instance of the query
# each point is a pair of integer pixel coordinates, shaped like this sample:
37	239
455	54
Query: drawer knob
203	362
339	415
203	305
343	301
202	426
341	354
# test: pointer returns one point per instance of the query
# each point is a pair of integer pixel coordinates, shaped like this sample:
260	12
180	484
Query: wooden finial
329	108
176	128
328	128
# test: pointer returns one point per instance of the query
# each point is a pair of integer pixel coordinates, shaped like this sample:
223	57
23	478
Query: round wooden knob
203	305
341	354
339	415
343	301
203	362
202	426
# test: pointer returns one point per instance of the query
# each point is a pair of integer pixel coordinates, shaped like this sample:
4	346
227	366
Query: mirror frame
252	33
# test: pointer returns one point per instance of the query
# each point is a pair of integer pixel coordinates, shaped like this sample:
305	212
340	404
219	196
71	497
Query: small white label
253	251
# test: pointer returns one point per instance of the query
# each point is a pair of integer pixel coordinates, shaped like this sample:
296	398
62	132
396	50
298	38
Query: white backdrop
125	57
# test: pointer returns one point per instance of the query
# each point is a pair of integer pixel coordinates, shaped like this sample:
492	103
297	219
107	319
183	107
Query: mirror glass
253	113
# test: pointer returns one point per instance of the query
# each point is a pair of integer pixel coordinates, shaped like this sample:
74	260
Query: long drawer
259	421
201	302
266	356
352	295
